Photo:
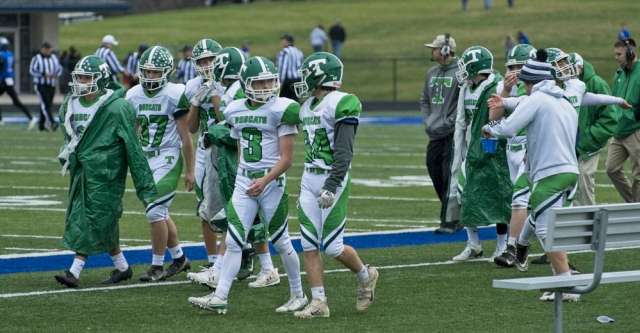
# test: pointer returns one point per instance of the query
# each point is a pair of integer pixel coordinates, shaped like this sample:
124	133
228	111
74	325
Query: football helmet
260	69
474	60
562	69
321	69
157	59
228	63
96	69
205	48
519	55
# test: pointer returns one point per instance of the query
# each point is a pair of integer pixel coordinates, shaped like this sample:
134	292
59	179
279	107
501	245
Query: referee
186	70
45	70
105	52
289	62
132	65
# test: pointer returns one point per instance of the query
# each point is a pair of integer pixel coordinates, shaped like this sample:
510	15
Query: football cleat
469	252
208	277
366	290
210	302
522	257
266	279
154	273
178	265
496	253
507	258
67	279
118	276
293	304
316	309
32	123
246	266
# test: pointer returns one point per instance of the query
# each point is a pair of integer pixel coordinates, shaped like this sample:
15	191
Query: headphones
445	50
630	52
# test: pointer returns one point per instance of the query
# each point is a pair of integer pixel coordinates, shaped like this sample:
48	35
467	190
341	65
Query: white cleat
316	309
32	123
366	290
210	302
549	296
469	252
207	276
293	304
266	279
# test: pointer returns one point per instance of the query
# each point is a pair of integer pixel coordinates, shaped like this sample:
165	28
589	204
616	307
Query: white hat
440	41
109	39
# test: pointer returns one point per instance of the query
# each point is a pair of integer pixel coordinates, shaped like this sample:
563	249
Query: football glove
326	199
201	94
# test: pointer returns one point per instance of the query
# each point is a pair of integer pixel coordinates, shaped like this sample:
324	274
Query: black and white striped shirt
45	69
110	58
289	62
132	64
185	71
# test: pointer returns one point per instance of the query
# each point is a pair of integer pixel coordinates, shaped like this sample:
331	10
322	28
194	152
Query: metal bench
593	228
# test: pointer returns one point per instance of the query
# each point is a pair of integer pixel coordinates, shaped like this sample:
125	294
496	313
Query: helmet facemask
514	67
204	66
307	83
262	94
461	74
563	68
153	82
84	83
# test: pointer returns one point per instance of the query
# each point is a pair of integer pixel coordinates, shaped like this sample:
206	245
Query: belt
517	147
317	171
152	153
254	174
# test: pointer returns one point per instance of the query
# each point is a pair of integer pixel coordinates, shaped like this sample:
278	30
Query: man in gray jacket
438	105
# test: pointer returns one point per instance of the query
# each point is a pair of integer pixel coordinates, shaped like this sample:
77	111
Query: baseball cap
439	41
109	39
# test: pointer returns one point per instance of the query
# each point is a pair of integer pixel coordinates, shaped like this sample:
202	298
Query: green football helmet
91	74
562	69
205	48
229	62
576	61
519	55
155	59
320	69
260	69
474	61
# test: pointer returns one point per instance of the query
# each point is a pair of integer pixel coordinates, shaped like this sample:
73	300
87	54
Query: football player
163	130
265	126
329	120
484	185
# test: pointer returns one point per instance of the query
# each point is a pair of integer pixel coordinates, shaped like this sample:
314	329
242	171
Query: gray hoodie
439	99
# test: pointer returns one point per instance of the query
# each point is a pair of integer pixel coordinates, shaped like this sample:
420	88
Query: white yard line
30	249
58	237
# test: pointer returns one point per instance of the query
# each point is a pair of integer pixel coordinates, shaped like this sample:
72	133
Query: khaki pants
619	151
587	181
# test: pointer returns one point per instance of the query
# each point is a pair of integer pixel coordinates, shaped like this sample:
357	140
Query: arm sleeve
345	134
519	119
290	119
349	107
114	63
137	162
591	99
424	98
510	103
183	107
34	69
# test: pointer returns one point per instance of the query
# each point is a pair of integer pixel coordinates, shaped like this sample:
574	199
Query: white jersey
157	115
574	91
471	96
81	116
259	129
319	122
231	93
207	113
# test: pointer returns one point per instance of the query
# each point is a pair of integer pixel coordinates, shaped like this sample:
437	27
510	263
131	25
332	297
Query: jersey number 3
253	152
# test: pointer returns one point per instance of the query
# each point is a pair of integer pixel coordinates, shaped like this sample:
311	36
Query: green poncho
98	173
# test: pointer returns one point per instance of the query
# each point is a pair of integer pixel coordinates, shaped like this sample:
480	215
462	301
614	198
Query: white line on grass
332	271
30	249
58	237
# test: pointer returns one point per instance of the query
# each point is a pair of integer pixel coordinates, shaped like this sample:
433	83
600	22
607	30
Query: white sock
318	293
567	273
157	260
291	264
217	266
76	267
363	274
120	262
511	241
473	237
266	264
176	252
502	241
229	271
212	258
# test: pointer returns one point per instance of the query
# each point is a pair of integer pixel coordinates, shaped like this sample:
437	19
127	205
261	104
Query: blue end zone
197	252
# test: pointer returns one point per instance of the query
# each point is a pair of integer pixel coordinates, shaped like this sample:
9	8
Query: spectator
439	106
338	36
105	52
131	71
289	62
624	33
246	50
7	81
186	69
523	38
510	3
508	45
318	38
488	4
45	70
626	136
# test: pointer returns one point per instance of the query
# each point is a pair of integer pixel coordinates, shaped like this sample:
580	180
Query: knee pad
283	245
335	248
232	244
157	213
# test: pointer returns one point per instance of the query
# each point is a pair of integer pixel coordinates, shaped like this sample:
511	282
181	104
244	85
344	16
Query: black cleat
246	266
507	258
541	260
67	279
154	273
117	276
178	265
522	257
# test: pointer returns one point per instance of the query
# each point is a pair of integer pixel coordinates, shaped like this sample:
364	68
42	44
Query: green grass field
377	29
419	290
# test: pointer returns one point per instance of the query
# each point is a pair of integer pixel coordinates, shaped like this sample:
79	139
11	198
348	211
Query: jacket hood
548	87
588	72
